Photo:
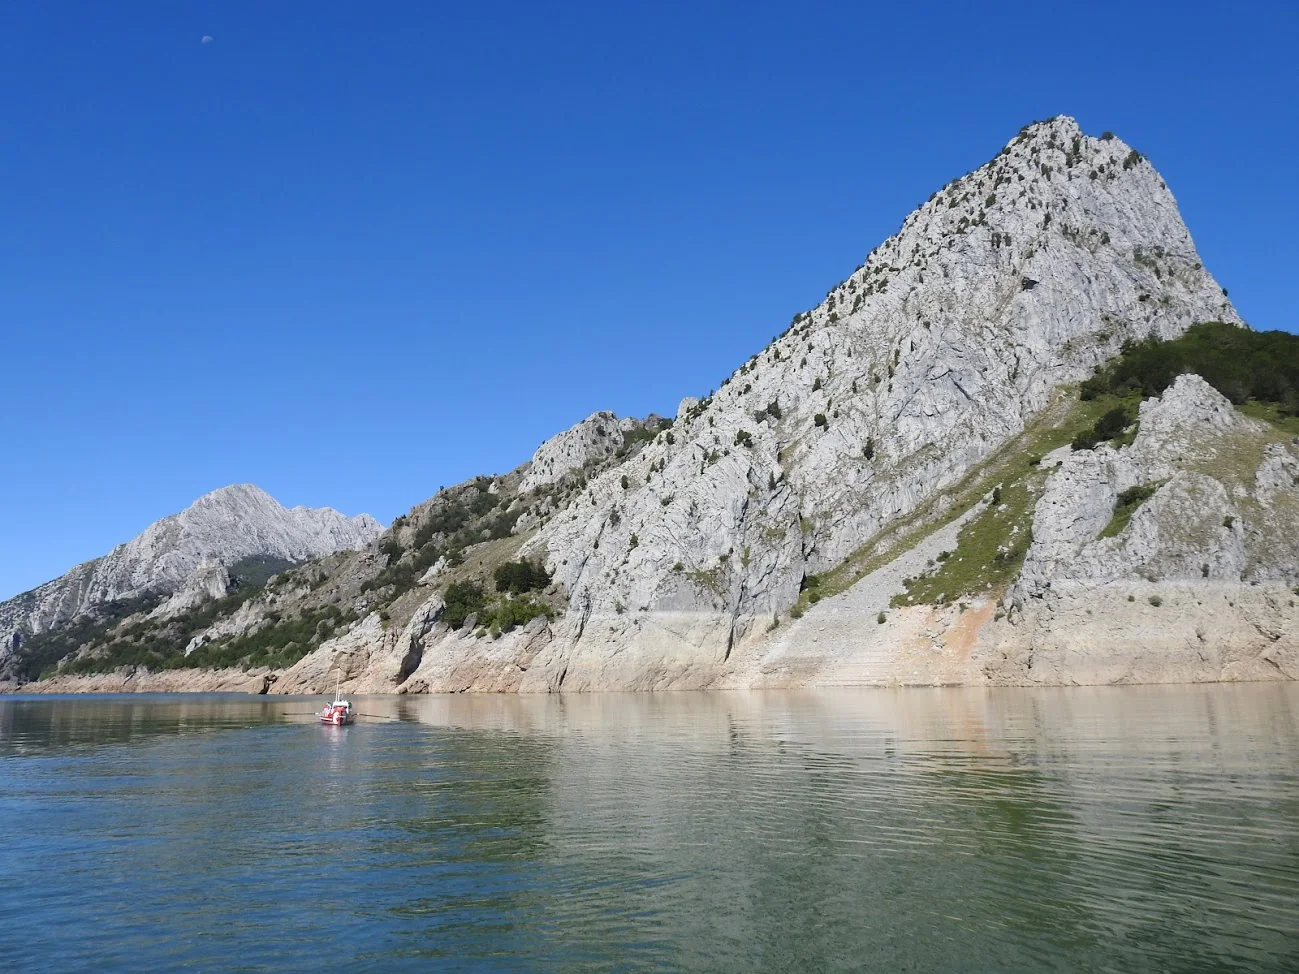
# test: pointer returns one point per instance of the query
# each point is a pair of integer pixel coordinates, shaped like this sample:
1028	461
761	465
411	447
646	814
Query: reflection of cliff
969	829
809	811
947	829
37	726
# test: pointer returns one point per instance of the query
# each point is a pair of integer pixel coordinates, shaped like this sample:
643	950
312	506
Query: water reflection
1082	829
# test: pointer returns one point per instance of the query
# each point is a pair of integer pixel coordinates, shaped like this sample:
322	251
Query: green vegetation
517	577
710	579
1257	371
1243	365
1270	412
157	643
280	644
990	548
640	435
464	599
1126	505
483	503
505	614
251	574
457	519
160	644
1117	425
1011	465
40	653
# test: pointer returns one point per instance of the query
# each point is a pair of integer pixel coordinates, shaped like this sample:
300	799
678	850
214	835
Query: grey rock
929	357
182	550
595	438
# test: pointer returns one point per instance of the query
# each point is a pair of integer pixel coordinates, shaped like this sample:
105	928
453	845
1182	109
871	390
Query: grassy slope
1004	529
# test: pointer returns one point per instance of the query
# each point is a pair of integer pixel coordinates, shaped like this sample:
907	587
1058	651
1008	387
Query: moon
207	39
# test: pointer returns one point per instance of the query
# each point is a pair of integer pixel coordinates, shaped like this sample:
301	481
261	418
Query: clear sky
352	252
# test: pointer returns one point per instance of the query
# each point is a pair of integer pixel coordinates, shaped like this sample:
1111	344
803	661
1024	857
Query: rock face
187	554
1198	586
872	434
209	581
1019	277
596	438
593	439
1201	583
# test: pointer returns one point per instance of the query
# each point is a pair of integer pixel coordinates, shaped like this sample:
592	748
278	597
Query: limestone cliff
1172	559
883	494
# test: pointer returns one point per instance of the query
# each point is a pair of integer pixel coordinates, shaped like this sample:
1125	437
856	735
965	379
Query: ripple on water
1106	830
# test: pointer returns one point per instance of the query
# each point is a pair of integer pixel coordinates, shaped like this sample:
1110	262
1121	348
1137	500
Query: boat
339	712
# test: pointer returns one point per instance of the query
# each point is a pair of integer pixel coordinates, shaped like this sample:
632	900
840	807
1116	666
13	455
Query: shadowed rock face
184	554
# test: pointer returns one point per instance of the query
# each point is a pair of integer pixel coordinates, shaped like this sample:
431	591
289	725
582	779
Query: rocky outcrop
1200	584
186	554
142	680
595	438
209	581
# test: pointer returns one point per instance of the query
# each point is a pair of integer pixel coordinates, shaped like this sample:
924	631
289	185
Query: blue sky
353	252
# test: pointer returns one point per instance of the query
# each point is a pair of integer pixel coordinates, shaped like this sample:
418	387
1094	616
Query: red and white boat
339	712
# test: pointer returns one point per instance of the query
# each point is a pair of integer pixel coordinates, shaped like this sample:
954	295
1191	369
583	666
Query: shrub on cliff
506	614
1110	425
462	599
1239	363
517	577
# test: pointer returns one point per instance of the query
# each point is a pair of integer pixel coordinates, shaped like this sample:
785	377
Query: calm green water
1124	830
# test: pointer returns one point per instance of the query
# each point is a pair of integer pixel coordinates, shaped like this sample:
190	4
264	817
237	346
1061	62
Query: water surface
1098	829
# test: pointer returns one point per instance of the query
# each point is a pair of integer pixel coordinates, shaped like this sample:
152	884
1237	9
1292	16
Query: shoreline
258	685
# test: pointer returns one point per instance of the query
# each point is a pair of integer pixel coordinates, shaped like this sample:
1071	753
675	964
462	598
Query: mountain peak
236	490
223	526
1009	281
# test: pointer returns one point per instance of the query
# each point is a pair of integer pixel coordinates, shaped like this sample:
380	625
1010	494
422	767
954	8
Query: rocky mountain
919	480
186	556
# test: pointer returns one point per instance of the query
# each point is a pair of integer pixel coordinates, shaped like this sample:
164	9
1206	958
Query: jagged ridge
221	528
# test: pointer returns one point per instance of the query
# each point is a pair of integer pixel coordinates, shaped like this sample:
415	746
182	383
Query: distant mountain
957	468
218	530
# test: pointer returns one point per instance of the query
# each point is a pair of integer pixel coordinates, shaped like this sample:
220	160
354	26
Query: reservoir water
1106	829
